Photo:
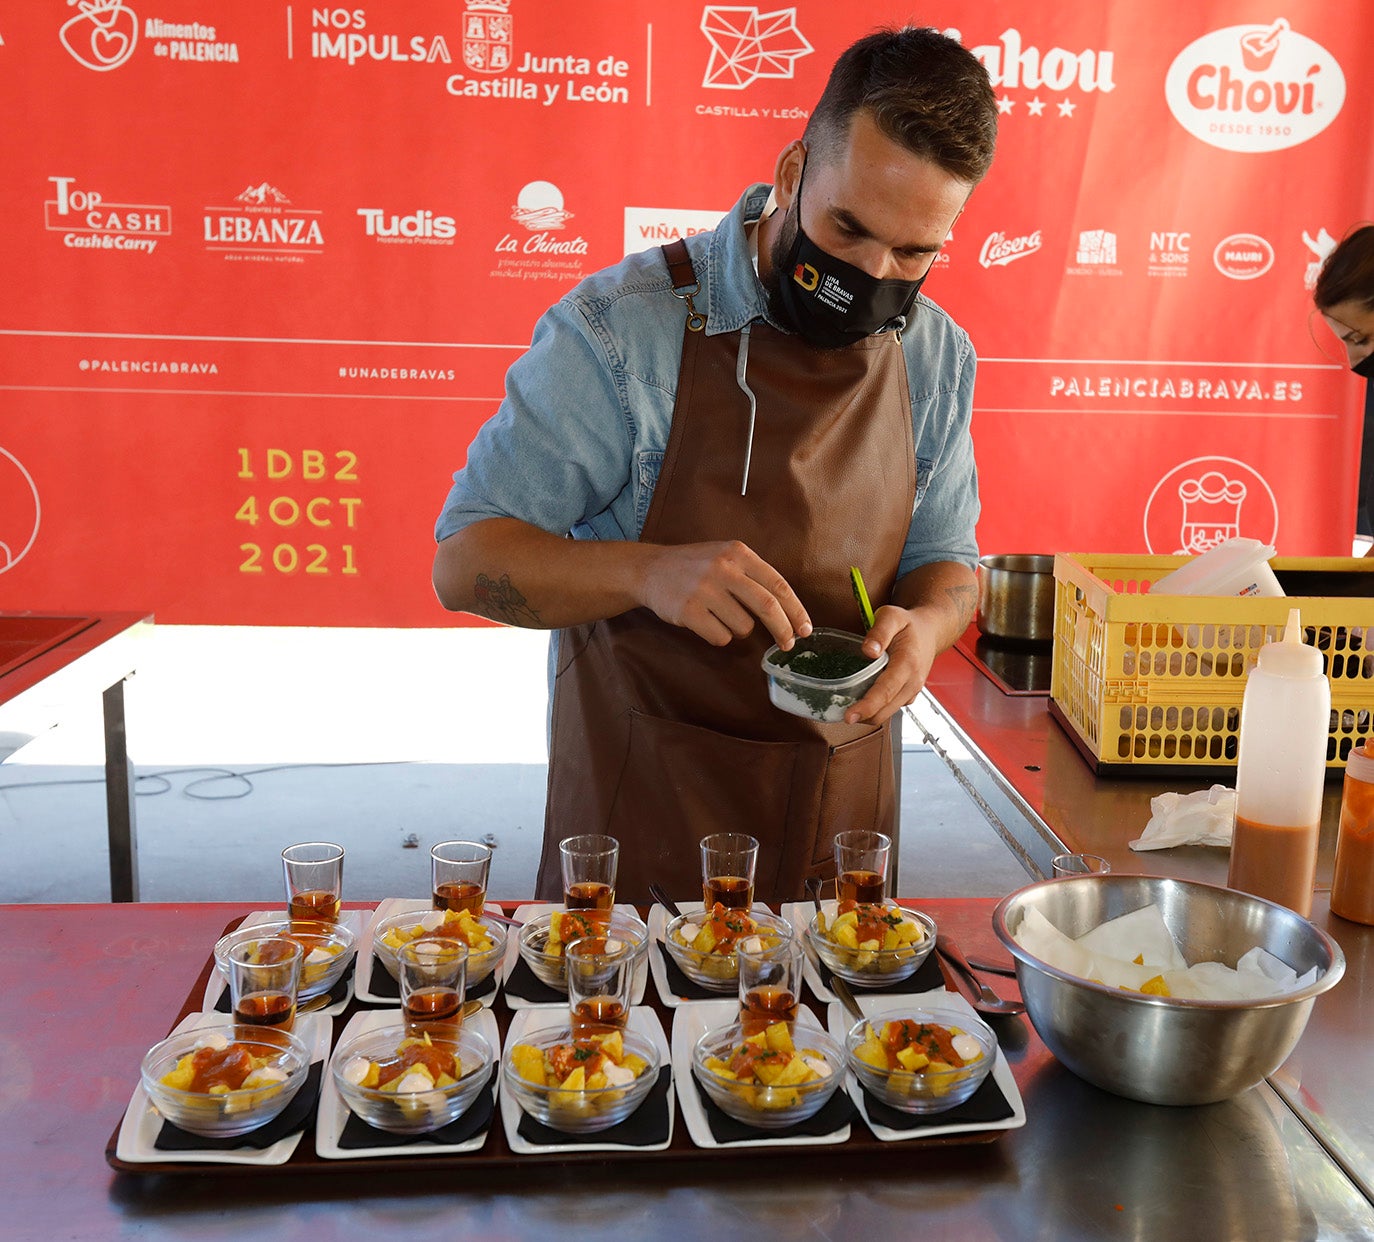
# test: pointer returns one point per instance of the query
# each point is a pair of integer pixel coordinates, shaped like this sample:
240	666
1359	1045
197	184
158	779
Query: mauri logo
102	35
1204	502
747	45
20	510
999	249
539	206
1243	256
488	31
1255	88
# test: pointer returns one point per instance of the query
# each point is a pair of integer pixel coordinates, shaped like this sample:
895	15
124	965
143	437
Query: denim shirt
577	443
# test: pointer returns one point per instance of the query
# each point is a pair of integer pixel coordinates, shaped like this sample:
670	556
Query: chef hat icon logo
20	511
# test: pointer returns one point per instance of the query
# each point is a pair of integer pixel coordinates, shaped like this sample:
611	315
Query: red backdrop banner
265	266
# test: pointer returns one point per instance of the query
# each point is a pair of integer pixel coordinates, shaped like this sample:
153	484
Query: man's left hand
911	649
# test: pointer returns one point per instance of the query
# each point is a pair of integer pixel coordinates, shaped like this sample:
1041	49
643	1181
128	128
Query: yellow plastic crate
1144	682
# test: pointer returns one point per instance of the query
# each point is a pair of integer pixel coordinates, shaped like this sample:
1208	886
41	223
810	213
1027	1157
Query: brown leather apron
659	738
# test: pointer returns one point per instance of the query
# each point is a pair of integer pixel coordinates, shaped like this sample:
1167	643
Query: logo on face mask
807	277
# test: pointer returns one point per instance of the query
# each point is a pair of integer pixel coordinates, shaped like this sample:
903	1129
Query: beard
778	258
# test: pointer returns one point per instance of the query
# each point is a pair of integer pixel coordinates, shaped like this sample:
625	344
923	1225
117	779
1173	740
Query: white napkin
1202	818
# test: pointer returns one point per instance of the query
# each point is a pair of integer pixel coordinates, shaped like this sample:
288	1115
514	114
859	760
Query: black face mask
1365	367
832	303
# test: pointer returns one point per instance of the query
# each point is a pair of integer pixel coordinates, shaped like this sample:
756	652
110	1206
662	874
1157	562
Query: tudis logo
1255	88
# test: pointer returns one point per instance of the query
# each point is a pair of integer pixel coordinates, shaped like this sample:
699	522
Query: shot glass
1079	864
589	865
314	880
861	861
433	977
458	875
264	980
600	973
770	983
727	869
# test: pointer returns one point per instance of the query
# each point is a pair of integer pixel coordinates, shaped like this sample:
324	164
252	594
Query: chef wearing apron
792	434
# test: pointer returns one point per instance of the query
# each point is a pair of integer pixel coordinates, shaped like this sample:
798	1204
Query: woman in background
1344	296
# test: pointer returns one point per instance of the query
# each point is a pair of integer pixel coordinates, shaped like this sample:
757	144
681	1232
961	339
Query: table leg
119	800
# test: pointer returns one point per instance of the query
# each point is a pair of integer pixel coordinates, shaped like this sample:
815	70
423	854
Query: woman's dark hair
924	91
1348	273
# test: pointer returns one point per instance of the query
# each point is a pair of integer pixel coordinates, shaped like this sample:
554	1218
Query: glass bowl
583	1110
718	971
224	1115
481	962
925	1090
548	967
412	1112
331	945
768	1107
872	968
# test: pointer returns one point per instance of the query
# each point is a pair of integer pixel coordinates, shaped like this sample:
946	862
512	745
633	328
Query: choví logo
1243	256
1255	88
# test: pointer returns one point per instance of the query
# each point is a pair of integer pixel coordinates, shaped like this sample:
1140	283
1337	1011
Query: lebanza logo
1243	256
102	35
1255	88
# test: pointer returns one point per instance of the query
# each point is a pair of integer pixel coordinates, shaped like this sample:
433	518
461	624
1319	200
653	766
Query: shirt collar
735	296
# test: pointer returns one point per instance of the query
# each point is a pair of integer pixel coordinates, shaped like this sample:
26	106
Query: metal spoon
990	967
657	893
985	1000
837	985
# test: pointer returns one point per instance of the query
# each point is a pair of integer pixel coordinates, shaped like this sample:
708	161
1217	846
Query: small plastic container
1352	882
1236	567
819	698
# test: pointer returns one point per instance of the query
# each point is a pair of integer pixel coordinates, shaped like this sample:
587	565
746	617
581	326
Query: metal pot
1016	598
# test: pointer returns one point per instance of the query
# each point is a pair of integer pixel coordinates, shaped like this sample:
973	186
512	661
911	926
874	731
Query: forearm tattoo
965	601
501	601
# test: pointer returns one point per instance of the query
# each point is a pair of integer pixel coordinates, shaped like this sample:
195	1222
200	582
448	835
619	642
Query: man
724	429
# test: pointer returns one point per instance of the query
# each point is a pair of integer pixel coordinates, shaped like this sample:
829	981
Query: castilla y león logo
1255	88
747	45
102	35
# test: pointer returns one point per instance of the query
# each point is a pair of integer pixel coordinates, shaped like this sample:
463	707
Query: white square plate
691	1021
354	920
333	1115
642	1019
362	974
533	910
142	1122
659	918
874	1007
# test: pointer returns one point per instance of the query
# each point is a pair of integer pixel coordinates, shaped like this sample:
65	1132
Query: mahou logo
1255	88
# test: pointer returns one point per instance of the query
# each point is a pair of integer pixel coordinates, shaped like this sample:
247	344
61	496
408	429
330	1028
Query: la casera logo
1255	88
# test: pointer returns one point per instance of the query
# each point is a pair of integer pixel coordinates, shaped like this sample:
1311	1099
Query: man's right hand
719	590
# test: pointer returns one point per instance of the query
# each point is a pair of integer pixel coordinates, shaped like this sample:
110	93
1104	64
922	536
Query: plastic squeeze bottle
1285	719
1352	885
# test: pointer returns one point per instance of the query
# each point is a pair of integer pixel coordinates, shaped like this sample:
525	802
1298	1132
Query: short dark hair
1347	275
924	91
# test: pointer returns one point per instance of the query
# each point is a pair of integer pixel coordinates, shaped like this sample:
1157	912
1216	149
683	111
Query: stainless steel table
89	988
1040	793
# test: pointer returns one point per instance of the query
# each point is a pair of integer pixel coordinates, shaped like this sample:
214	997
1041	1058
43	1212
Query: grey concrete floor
245	741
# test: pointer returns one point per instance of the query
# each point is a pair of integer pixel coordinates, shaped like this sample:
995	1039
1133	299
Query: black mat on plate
681	986
526	985
336	994
984	1105
384	986
358	1134
838	1111
295	1116
925	978
644	1127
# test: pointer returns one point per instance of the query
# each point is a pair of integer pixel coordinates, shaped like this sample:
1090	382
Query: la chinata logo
1255	88
101	35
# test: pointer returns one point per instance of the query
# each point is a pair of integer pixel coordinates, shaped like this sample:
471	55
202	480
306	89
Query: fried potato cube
778	1037
717	1066
871	1052
597	1080
776	1097
846	937
633	1061
705	941
181	1074
795	1072
1155	986
769	1072
613	1046
912	1059
759	1039
529	1064
847	919
890	940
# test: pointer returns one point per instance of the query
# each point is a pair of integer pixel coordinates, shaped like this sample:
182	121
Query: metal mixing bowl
1166	1050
